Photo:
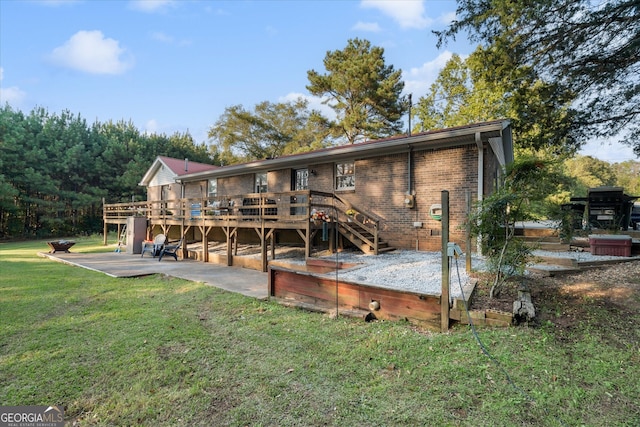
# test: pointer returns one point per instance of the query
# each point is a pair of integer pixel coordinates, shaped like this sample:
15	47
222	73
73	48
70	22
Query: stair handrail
346	212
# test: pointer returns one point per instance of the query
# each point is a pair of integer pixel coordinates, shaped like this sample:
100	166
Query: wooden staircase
545	239
546	243
363	238
358	227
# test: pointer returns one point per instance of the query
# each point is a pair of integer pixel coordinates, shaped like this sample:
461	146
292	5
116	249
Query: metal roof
176	166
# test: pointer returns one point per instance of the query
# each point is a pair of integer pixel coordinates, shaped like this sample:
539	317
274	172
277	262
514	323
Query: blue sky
176	65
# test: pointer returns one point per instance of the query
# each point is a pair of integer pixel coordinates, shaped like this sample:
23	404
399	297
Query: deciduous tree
466	91
587	51
271	130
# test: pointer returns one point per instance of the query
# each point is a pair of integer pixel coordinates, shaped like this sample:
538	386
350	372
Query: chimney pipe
186	165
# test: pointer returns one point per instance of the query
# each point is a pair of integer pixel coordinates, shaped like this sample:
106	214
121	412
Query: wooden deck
256	217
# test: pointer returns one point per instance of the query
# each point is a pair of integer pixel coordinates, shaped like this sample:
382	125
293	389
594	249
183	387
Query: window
345	176
213	187
301	180
261	182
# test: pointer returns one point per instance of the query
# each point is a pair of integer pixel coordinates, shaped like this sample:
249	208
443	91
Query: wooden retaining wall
303	289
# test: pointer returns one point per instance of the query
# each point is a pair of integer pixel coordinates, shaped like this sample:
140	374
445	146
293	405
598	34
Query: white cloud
419	79
151	127
151	6
609	151
91	52
11	95
371	27
315	103
162	37
447	18
166	38
407	13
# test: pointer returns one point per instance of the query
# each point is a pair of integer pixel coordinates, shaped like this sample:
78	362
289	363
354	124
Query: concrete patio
247	282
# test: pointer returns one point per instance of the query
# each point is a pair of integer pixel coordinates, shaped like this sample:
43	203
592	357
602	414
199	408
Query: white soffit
498	149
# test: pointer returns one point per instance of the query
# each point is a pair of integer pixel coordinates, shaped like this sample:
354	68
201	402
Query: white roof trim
498	149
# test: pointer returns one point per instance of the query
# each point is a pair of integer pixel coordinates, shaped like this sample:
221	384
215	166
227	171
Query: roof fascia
155	166
435	140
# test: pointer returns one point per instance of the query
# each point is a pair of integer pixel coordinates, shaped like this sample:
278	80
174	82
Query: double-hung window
345	176
261	182
301	179
213	187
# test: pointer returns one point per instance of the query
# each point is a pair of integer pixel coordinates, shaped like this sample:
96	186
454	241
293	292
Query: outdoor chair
154	246
171	250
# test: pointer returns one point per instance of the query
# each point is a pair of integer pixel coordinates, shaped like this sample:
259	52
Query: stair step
539	238
558	247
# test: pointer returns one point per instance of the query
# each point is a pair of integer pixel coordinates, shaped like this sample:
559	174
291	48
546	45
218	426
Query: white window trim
344	177
209	192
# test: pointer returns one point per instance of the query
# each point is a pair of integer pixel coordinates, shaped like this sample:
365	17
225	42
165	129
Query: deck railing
292	209
286	206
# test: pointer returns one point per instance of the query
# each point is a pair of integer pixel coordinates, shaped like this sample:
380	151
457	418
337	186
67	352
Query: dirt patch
567	301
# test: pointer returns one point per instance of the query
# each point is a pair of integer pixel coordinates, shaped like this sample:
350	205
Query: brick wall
382	186
279	181
195	190
235	185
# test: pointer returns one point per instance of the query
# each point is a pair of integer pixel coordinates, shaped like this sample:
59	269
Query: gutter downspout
409	189
480	166
409	169
480	180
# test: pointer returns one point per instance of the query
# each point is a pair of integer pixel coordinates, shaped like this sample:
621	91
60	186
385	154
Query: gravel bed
579	256
421	271
414	271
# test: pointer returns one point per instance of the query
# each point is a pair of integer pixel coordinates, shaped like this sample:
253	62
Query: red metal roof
184	167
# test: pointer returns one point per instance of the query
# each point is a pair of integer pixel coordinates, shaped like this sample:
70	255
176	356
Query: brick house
394	185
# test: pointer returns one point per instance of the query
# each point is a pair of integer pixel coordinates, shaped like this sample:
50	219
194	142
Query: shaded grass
163	351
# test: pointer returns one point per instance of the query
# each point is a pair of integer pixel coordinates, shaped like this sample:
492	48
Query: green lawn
160	351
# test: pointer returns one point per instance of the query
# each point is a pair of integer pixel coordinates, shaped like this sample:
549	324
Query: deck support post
230	237
183	232
307	240
273	244
205	244
263	246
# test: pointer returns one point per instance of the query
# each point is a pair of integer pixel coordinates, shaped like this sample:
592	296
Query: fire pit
60	246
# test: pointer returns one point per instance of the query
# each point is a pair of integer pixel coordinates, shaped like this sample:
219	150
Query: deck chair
154	246
170	250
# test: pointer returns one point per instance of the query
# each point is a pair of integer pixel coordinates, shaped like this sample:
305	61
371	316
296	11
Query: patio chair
154	246
170	250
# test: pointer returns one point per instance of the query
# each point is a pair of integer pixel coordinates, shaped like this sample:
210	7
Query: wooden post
263	245
307	230
332	236
205	244
444	298
229	234
273	243
104	224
